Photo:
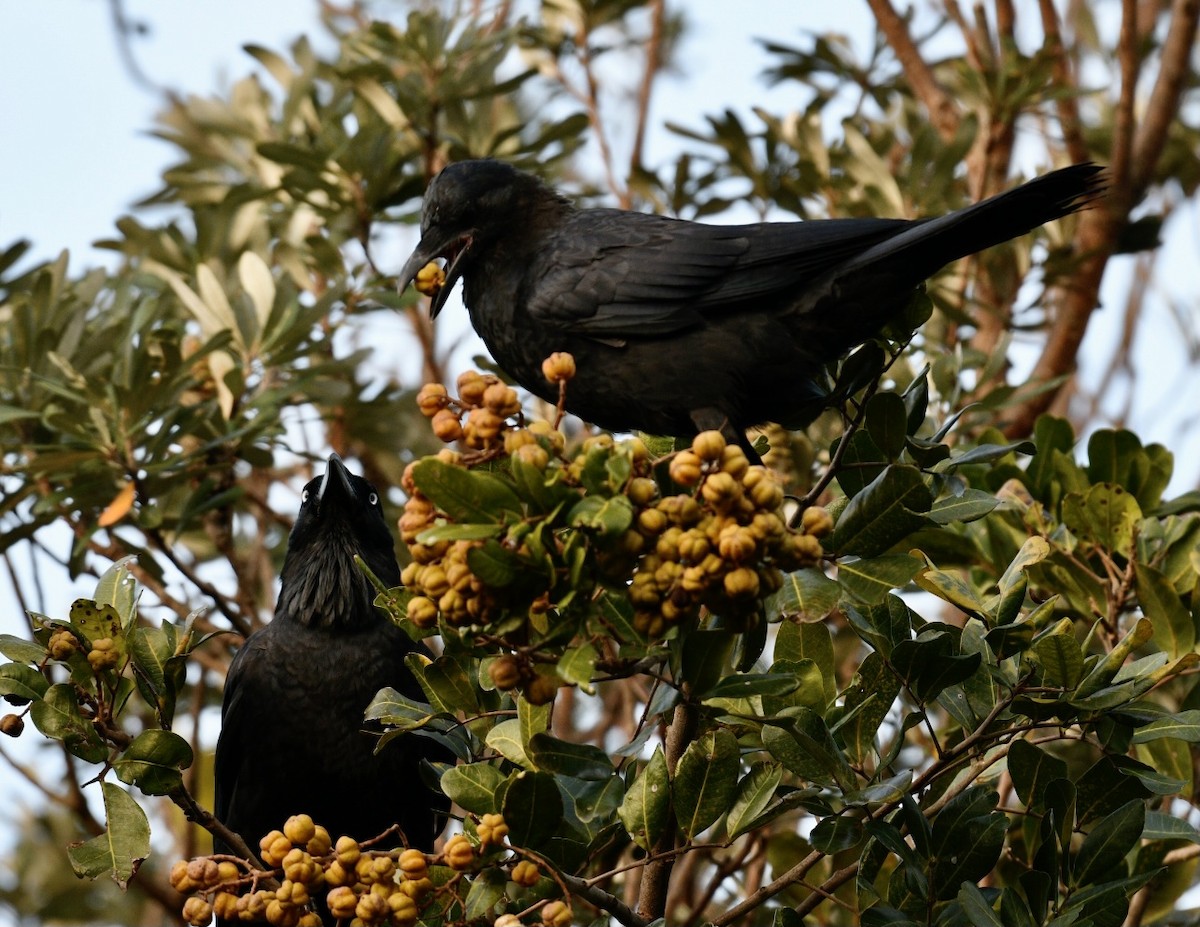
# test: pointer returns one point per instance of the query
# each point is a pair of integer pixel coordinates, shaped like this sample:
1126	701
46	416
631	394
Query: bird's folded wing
611	274
237	729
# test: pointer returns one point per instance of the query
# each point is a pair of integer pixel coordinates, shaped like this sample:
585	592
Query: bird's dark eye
373	499
304	497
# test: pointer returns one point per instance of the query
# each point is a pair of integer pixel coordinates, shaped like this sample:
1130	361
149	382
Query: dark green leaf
22	681
465	495
870	580
891	508
474	786
887	423
21	650
581	761
754	793
532	809
973	504
705	780
1032	768
837	833
1174	629
1104	849
807	593
153	762
647	803
744	685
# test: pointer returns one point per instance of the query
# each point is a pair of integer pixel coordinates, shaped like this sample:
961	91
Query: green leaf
22	681
505	738
887	423
607	517
532	808
1032	769
862	462
802	742
448	685
647	803
56	714
21	650
474	786
532	719
396	710
744	685
1106	515
705	780
1104	849
887	790
836	833
971	505
891	508
984	453
929	663
487	887
976	907
97	622
870	580
807	593
949	587
118	588
123	845
968	836
578	665
1162	826
868	701
1106	669
1060	655
465	495
754	793
580	761
796	641
1174	629
153	761
494	564
1183	725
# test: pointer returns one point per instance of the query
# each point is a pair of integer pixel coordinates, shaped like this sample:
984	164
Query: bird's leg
710	419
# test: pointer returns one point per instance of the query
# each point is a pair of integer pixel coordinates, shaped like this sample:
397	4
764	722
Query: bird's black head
468	206
341	515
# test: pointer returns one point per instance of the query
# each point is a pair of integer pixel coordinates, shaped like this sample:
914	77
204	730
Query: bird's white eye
373	499
304	497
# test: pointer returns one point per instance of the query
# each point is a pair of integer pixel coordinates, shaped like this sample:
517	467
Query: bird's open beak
336	482
430	248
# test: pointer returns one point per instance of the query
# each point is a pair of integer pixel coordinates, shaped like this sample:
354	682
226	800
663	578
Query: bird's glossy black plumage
293	739
679	326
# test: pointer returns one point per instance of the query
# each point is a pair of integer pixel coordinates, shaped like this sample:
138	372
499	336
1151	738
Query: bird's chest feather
320	684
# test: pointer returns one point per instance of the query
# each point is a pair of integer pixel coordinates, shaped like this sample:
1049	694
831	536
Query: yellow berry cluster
62	644
510	671
103	654
365	888
483	399
722	545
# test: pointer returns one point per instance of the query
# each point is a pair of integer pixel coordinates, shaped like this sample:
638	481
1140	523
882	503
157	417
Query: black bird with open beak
293	737
677	326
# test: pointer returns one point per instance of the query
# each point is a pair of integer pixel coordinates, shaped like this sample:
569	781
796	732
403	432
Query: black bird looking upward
677	326
292	730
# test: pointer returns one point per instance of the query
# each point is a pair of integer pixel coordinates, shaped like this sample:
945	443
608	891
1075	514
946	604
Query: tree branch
1162	105
943	111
